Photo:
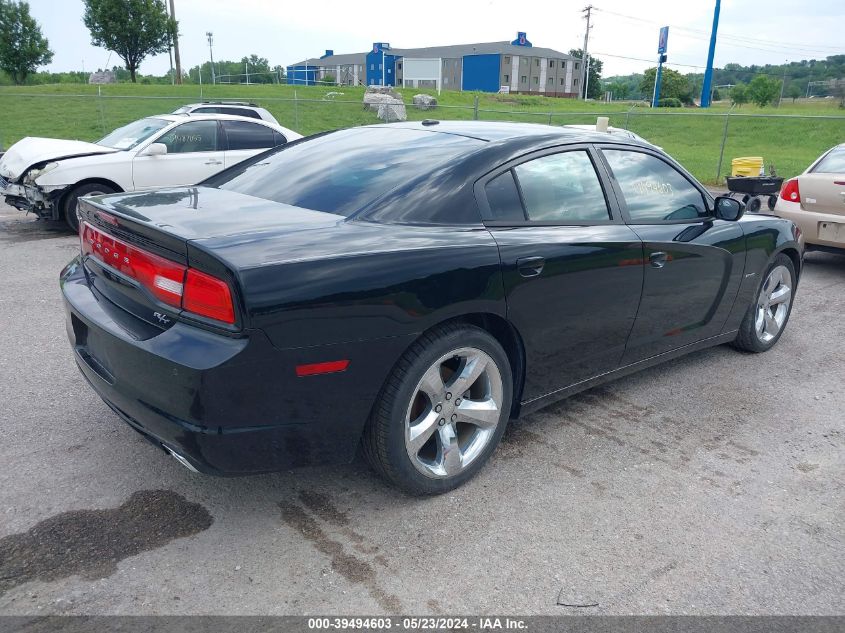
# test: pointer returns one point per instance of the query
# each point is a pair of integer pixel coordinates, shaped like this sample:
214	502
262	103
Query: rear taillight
790	191
208	296
171	283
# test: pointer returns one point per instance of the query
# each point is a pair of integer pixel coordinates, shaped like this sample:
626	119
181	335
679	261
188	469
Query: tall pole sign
708	73
662	45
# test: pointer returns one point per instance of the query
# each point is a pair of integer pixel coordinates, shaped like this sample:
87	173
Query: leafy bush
670	102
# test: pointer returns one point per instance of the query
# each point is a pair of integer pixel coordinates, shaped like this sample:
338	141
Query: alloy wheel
773	303
454	412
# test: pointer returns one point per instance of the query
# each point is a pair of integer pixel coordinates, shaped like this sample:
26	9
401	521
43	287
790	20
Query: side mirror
154	149
727	208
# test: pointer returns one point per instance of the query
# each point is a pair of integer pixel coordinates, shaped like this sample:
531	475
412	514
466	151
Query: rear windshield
833	163
343	171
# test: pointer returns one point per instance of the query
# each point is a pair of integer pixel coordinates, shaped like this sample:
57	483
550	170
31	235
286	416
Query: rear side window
833	163
654	191
503	198
562	188
244	135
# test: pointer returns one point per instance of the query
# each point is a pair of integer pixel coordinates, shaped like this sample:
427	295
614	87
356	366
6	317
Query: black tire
772	202
384	439
749	338
71	199
753	205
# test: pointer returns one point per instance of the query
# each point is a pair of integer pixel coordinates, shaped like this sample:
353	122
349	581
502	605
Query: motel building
516	66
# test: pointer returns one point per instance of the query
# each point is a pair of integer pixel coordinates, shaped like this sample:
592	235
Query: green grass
691	136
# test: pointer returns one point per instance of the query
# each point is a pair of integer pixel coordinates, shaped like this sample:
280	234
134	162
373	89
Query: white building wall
514	72
569	66
544	67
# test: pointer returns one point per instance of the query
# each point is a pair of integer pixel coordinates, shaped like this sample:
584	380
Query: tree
22	46
739	94
794	92
673	85
763	90
594	84
133	29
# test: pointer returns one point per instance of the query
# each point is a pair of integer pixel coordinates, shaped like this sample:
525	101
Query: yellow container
747	166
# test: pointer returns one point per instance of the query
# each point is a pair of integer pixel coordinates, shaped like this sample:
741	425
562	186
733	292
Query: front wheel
71	201
767	316
442	412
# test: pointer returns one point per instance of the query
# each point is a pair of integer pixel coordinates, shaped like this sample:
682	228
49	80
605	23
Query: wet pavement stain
91	543
354	569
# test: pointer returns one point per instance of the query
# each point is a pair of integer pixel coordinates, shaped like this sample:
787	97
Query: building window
551	81
507	59
575	81
537	62
551	63
372	66
536	80
561	81
563	64
523	79
577	65
379	66
507	78
400	65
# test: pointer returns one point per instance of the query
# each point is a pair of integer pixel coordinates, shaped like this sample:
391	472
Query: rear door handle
530	266
658	259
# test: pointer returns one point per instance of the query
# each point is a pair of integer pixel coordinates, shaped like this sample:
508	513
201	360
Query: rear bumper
818	229
227	405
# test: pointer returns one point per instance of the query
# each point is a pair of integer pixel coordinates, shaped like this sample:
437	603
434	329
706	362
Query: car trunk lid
823	193
140	249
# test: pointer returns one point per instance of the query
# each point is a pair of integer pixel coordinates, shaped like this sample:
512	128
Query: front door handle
530	266
658	259
214	162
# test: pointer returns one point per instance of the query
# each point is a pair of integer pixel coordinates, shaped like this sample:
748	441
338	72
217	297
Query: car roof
173	118
492	131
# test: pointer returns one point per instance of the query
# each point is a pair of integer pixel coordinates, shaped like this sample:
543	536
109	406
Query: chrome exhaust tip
179	458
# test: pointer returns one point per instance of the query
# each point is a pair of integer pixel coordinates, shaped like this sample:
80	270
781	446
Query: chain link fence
703	141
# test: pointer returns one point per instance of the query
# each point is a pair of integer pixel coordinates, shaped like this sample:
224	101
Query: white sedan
48	176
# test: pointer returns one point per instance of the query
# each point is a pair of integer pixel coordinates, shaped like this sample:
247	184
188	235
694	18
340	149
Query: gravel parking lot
709	485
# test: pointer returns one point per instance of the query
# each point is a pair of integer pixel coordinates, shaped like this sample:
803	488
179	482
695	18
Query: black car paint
313	287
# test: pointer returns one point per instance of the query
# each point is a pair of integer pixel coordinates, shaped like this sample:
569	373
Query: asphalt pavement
709	485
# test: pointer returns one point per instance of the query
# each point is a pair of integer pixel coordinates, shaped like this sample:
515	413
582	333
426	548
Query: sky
750	31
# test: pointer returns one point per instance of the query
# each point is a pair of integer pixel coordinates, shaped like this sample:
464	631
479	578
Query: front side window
562	188
243	135
195	136
654	191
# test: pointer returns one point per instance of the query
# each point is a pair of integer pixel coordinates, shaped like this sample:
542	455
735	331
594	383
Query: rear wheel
71	201
442	412
768	315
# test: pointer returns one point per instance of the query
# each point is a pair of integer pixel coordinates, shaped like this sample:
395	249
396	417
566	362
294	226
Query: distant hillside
799	74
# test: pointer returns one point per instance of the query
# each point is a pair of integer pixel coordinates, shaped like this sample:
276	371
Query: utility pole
588	12
210	36
783	81
176	57
170	55
708	72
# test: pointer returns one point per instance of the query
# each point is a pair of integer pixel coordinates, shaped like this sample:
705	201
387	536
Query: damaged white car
47	176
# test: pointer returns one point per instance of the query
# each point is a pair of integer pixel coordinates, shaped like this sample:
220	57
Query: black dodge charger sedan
408	289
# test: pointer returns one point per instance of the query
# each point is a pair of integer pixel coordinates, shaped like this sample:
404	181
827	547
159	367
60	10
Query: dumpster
747	166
